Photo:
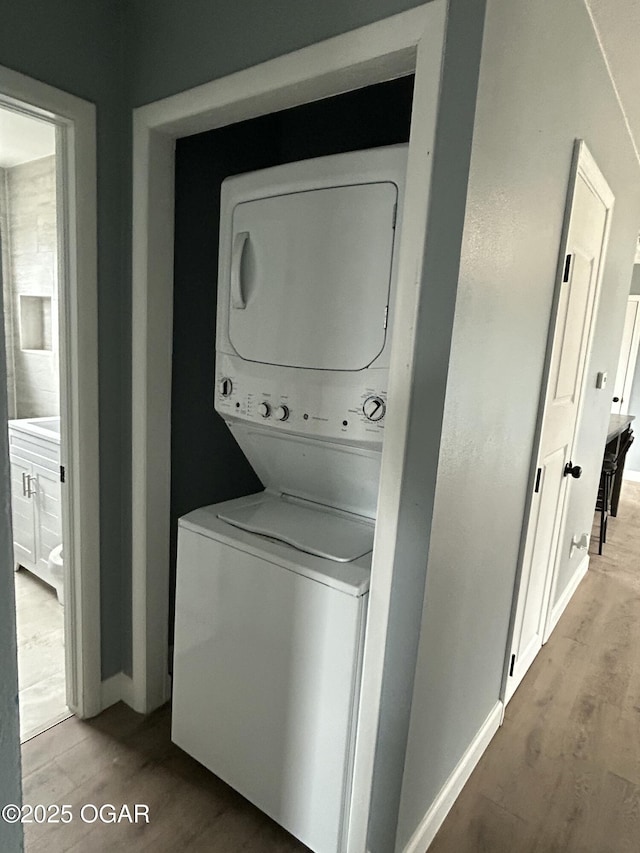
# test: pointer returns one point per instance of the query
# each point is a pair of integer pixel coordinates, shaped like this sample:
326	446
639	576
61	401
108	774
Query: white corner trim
439	809
632	476
612	79
560	606
118	688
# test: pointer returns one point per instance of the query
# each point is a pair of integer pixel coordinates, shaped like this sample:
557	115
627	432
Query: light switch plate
601	380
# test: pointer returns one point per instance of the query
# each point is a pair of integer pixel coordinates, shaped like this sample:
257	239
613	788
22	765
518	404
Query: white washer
268	651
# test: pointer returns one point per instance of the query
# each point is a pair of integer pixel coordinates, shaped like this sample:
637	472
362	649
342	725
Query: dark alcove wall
207	466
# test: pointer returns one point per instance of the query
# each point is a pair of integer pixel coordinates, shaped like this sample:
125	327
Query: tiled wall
30	200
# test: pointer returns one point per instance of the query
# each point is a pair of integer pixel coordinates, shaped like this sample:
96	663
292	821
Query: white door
628	357
586	234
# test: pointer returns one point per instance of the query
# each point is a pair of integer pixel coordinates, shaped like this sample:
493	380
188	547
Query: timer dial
226	387
374	408
281	413
264	410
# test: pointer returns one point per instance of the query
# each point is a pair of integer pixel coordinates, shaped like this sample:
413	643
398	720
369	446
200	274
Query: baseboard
439	809
565	598
118	688
634	476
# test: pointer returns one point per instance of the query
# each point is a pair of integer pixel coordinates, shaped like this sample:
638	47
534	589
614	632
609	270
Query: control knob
264	410
226	387
281	413
374	408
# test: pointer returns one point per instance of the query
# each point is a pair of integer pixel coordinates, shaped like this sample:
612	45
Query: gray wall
633	459
179	45
10	788
542	84
32	250
77	46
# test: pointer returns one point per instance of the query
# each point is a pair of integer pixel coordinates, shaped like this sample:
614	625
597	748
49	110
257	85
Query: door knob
574	470
616	399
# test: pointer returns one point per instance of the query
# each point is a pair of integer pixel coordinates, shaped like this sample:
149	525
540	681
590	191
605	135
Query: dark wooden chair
603	502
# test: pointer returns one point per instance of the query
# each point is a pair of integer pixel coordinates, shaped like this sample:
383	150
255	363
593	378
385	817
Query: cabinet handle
30	480
24	485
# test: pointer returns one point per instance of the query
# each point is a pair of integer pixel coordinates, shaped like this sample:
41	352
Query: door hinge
395	215
511	666
567	268
386	315
538	475
62	473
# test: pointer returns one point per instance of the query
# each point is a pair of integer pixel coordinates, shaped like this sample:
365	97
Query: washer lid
321	531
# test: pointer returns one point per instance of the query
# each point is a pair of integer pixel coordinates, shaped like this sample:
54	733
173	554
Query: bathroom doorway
29	235
73	310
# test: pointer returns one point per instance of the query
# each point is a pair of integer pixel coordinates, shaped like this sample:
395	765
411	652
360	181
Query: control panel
343	409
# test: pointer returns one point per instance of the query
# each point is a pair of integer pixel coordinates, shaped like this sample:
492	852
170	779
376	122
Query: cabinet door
48	517
23	513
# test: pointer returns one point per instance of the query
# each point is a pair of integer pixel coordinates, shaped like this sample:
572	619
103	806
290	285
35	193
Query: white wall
543	83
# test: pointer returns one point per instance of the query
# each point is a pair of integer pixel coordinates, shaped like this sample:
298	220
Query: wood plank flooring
561	776
122	757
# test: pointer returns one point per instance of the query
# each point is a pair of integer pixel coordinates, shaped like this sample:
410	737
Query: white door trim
79	450
411	42
634	345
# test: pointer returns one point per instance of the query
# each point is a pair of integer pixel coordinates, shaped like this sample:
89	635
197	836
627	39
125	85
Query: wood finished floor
561	776
122	757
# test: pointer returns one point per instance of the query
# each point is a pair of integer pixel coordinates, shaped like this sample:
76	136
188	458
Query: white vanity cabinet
34	451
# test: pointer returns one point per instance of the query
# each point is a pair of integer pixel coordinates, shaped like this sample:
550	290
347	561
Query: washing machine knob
264	410
374	408
282	413
226	387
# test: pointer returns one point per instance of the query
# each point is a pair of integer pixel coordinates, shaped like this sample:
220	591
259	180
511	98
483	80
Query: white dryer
272	588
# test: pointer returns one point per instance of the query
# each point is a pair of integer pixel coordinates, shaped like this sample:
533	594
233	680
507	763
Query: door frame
582	163
408	43
634	345
75	123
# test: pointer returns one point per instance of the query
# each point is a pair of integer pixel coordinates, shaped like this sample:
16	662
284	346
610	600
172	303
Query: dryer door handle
237	252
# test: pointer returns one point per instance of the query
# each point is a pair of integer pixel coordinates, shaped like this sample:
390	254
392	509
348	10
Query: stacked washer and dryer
272	588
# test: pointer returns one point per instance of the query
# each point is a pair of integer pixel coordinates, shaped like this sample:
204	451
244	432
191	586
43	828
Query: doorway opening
370	117
49	279
541	596
409	43
29	240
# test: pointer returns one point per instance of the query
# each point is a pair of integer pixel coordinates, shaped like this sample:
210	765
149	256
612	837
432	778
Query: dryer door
310	276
